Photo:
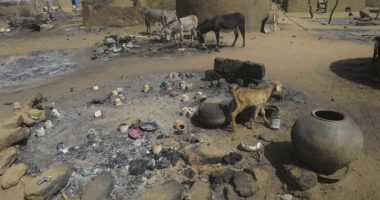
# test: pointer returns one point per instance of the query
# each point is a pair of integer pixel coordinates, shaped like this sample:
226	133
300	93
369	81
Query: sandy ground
322	68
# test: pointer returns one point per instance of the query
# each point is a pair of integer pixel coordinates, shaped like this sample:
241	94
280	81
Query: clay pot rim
313	113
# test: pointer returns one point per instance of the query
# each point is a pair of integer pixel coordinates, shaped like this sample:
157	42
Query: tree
333	10
310	9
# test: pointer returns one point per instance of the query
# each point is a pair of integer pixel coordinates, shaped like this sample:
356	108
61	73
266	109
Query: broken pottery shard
171	190
12	176
60	174
8	137
99	188
299	178
200	190
7	157
137	167
244	184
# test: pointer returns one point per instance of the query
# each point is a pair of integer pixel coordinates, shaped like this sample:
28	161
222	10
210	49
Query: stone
8	137
60	175
219	65
212	113
232	158
137	167
230	194
203	154
7	158
189	173
244	184
251	71
261	175
48	124
232	65
12	176
16	106
219	177
200	190
98	114
171	190
298	177
212	75
99	188
13	193
40	132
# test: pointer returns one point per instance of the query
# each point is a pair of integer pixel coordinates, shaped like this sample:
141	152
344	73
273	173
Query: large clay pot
326	140
213	113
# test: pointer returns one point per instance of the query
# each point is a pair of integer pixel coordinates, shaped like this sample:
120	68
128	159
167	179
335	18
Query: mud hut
255	11
302	5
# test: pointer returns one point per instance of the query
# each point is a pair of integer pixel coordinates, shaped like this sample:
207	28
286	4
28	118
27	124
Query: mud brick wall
107	13
255	11
232	70
302	6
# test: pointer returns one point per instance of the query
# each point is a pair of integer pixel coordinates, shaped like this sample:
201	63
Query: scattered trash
44	179
174	94
48	124
61	147
95	88
98	114
55	113
180	126
273	112
40	132
5	30
148	126
114	93
285	197
119	90
250	148
16	106
147	88
174	75
134	133
199	97
123	128
183	85
118	102
181	49
157	148
188	111
185	98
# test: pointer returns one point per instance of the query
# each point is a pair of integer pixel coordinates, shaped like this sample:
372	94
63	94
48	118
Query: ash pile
115	46
147	137
44	18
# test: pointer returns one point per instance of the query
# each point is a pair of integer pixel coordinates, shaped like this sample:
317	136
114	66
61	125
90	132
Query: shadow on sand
358	70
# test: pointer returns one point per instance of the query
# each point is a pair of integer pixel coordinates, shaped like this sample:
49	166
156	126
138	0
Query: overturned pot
326	140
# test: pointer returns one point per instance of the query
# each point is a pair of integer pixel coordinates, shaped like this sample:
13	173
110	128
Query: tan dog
247	97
